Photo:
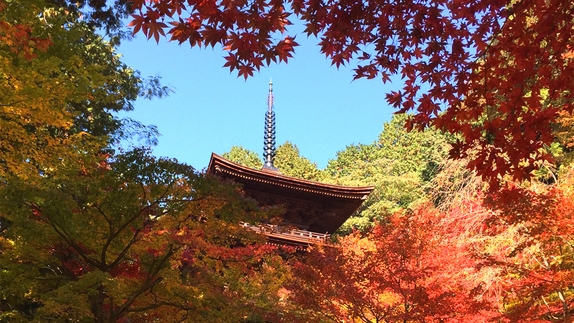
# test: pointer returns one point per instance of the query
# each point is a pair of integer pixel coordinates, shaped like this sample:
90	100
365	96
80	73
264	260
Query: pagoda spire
269	142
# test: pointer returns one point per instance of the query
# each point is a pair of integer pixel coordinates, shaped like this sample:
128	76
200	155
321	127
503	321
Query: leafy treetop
244	157
133	238
400	165
106	16
287	159
60	85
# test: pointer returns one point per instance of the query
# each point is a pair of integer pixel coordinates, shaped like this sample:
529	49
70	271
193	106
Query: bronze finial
270	96
269	142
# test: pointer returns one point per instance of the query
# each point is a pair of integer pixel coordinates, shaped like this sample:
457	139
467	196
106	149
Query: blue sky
318	108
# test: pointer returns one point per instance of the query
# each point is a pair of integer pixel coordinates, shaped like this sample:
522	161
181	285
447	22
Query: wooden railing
288	233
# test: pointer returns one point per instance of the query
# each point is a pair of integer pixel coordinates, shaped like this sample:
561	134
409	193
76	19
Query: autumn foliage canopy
90	232
496	72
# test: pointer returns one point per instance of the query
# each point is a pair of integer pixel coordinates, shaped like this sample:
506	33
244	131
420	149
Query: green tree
134	238
290	162
244	157
106	16
287	159
60	95
399	164
90	236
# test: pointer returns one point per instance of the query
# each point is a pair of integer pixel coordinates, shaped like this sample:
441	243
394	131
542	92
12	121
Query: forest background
470	219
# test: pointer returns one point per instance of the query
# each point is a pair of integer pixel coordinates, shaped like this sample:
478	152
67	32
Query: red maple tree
530	246
497	72
409	269
507	260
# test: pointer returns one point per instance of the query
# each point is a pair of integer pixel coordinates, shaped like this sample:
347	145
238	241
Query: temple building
313	210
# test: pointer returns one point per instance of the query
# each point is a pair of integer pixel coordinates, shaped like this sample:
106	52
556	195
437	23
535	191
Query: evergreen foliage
244	157
289	161
400	164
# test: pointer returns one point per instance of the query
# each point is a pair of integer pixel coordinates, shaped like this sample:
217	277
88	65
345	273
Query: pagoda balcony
288	235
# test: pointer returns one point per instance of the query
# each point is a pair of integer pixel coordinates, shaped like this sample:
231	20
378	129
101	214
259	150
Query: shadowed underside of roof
308	205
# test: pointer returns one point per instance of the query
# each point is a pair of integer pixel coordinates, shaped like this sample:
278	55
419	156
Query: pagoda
312	210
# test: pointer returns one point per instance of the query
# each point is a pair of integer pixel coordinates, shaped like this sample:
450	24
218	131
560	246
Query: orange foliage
509	259
406	270
533	232
19	39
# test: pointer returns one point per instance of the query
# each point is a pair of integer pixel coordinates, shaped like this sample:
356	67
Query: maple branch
134	238
565	308
110	230
113	235
157	269
11	104
374	311
131	299
157	303
184	220
311	297
144	194
64	235
108	220
150	282
360	313
548	308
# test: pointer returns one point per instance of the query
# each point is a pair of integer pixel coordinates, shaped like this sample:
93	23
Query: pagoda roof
309	205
